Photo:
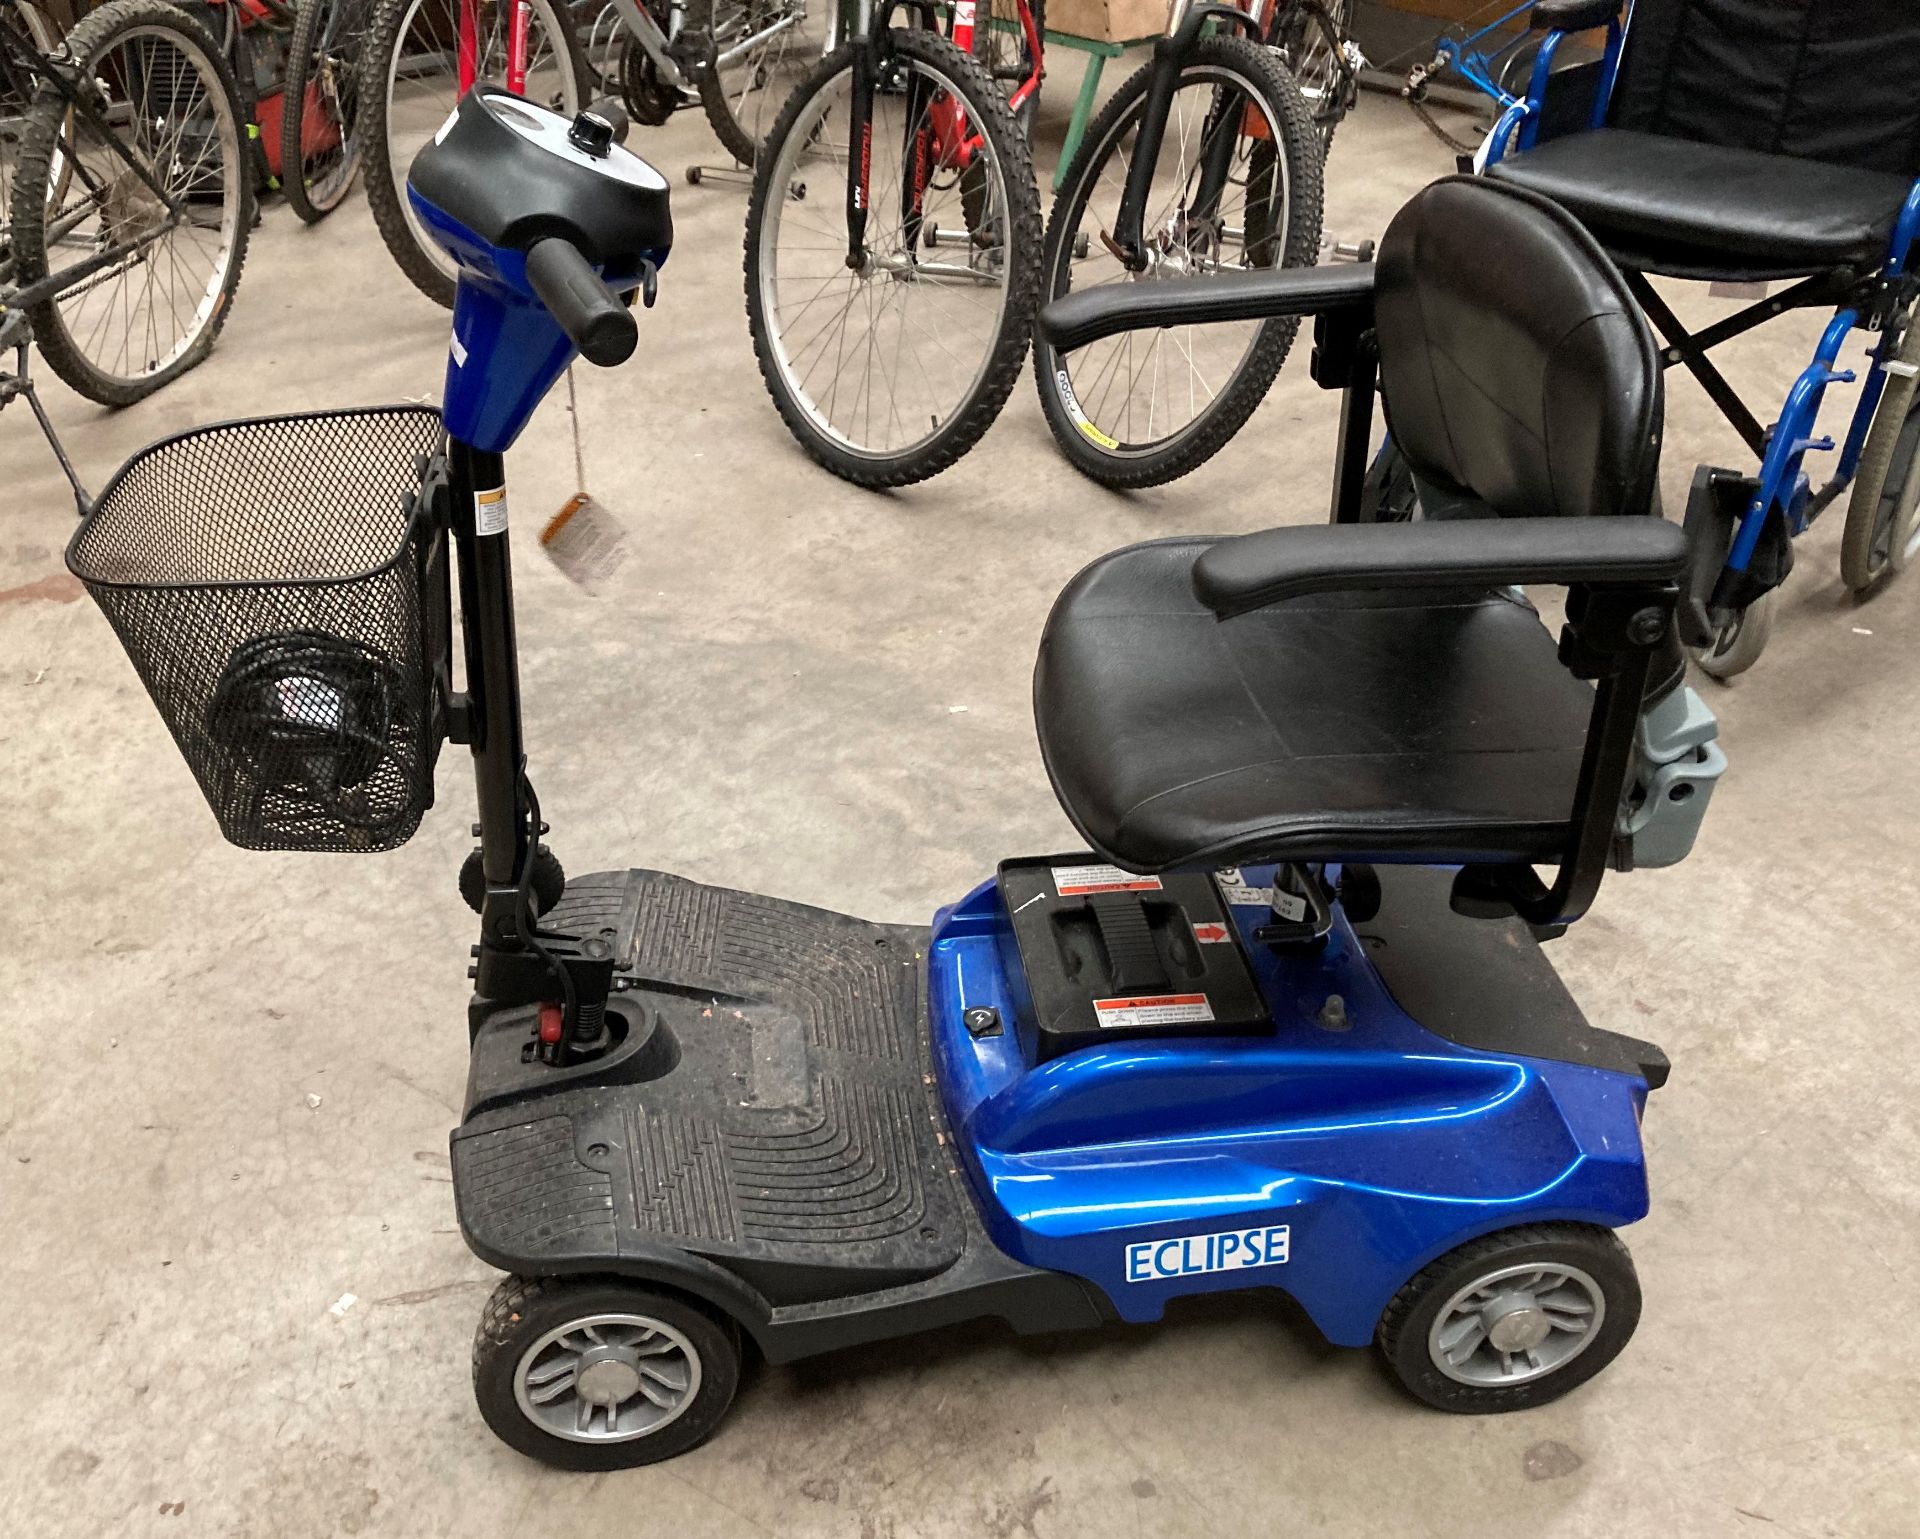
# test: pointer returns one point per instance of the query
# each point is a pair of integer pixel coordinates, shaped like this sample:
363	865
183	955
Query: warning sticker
1078	881
1152	1010
1234	889
490	511
1210	934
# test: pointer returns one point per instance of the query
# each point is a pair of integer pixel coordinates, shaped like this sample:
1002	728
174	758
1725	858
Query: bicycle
1496	67
1206	162
917	281
320	146
130	205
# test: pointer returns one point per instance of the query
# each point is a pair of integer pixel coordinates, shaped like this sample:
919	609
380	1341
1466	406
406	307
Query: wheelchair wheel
1512	1320
1741	640
1883	515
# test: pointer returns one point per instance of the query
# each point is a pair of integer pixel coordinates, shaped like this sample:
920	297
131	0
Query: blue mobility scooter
1285	1024
1754	142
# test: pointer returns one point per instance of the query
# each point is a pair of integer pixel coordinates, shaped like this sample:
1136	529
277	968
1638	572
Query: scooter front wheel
1739	643
1512	1320
598	1374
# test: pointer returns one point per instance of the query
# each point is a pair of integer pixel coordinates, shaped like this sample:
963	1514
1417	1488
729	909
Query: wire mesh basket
274	582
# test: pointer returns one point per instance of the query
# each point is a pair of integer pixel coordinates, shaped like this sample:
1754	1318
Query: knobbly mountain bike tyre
52	128
336	28
986	110
386	197
1152	463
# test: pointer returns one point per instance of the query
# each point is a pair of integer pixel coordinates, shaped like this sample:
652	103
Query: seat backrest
1515	367
1832	80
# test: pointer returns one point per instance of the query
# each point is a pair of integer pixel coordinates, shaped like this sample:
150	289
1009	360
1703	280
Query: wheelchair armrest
1572	15
1092	314
1252	571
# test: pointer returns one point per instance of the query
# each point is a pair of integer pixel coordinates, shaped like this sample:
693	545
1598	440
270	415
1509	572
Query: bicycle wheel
145	201
887	368
1312	40
1883	515
320	128
1137	411
410	83
1000	44
757	51
31	30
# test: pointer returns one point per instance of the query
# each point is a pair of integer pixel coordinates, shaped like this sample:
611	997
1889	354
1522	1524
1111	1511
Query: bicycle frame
964	25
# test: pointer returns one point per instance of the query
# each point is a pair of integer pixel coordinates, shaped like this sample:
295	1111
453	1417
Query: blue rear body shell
1380	1147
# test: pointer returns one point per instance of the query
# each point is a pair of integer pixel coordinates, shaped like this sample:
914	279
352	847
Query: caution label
490	511
1078	881
1211	934
1152	1010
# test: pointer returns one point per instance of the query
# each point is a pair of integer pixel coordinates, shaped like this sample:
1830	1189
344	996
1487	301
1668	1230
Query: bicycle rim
882	358
166	275
1134	394
423	83
760	49
329	110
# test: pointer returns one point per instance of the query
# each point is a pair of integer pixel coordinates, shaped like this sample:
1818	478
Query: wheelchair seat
1745	140
1184	719
1692	210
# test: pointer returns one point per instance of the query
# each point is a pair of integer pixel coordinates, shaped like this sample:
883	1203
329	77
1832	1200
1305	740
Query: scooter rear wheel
599	1374
1513	1319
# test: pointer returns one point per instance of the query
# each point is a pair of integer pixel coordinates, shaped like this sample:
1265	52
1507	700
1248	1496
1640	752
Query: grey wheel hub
1516	1324
607	1378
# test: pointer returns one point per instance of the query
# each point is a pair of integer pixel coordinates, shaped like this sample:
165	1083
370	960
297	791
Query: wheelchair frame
1881	301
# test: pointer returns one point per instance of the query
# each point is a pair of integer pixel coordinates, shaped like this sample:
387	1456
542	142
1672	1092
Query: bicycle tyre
987	110
34	169
1154	462
1881	529
730	126
316	24
387	29
1296	33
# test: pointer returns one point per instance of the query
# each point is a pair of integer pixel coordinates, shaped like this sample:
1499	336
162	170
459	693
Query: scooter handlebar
588	311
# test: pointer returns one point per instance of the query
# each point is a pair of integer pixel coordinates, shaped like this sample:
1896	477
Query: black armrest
1087	316
1254	570
1572	15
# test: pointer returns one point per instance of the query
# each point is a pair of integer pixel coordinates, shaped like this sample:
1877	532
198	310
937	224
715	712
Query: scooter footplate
796	1139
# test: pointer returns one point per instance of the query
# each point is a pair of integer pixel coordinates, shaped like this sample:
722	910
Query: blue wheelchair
1754	141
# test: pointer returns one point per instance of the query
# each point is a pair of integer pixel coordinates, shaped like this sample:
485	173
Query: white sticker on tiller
490	511
1078	881
1234	889
1193	1254
1152	1010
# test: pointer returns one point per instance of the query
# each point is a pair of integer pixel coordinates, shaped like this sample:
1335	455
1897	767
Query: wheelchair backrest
1515	367
1831	80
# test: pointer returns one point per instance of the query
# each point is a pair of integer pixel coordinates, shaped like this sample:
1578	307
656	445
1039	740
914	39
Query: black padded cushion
1828	80
1416	724
1515	365
1697	210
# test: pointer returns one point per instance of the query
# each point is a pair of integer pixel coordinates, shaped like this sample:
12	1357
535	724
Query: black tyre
1140	409
409	83
320	126
1883	515
1513	1319
1000	44
27	27
927	331
600	1374
757	52
124	328
1312	40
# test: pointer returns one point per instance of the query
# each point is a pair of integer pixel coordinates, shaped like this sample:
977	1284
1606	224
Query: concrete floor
231	1076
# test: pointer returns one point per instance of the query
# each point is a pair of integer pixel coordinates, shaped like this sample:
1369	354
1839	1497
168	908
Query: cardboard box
1108	21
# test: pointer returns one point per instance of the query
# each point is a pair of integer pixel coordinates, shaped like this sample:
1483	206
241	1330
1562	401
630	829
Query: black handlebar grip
587	310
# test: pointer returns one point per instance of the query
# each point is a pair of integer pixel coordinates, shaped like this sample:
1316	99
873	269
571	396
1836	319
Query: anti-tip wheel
599	1374
1513	1319
1740	641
